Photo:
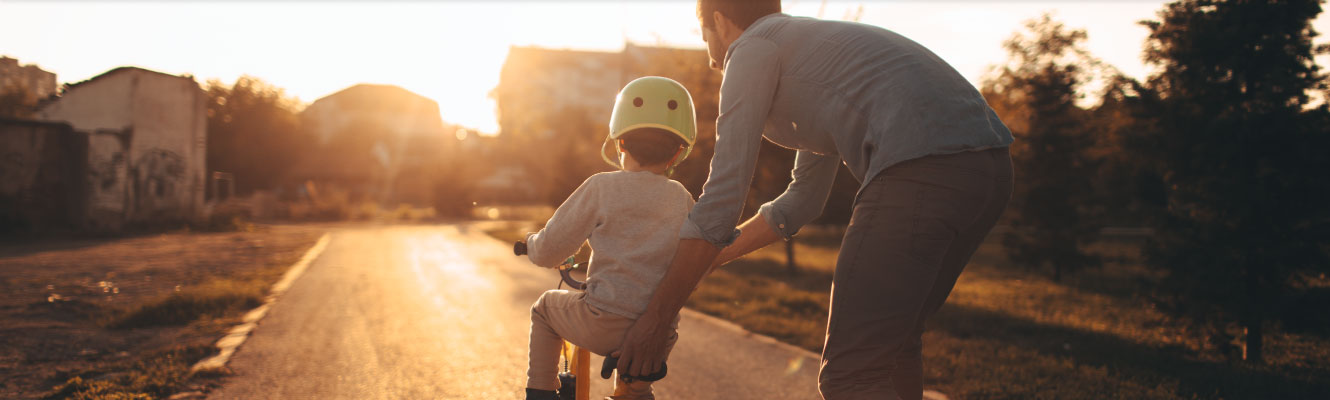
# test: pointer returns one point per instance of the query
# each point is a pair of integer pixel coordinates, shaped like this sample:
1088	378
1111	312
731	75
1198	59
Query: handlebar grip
519	248
611	362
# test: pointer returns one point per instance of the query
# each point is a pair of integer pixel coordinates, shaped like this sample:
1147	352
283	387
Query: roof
366	96
114	71
117	70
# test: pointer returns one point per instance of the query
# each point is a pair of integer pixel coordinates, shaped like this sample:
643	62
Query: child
631	218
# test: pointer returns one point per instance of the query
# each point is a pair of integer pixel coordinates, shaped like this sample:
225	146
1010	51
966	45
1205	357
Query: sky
452	51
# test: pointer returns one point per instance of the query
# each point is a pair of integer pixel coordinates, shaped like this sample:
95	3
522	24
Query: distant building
536	82
146	135
554	108
378	141
40	84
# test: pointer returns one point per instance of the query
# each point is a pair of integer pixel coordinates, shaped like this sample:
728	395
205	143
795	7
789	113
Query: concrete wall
41	175
107	180
147	145
101	103
168	148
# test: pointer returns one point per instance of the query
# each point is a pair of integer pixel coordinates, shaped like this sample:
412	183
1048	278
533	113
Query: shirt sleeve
570	226
751	75
805	197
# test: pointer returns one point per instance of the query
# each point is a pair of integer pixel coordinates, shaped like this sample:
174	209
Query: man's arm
644	344
801	203
754	234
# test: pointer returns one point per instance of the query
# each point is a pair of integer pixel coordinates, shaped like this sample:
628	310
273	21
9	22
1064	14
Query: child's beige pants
563	315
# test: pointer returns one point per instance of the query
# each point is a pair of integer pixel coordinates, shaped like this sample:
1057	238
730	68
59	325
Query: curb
228	344
726	324
723	323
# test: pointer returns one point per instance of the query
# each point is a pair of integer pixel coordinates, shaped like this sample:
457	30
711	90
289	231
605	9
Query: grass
212	305
1010	333
126	318
157	376
213	299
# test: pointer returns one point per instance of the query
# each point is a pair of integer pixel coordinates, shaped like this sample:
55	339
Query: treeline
1220	152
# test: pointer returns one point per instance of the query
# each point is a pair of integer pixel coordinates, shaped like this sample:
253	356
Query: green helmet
653	102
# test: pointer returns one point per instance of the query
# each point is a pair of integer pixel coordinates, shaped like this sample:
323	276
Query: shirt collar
730	50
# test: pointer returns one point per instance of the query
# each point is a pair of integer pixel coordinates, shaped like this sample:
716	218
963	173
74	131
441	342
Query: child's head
652	147
653	117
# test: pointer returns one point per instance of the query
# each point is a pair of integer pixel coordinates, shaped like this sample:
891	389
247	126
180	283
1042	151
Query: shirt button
782	226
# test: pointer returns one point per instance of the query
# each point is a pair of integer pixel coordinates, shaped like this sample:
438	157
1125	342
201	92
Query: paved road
426	312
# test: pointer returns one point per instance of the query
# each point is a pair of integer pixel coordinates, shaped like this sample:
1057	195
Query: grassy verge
155	376
126	318
1010	333
213	299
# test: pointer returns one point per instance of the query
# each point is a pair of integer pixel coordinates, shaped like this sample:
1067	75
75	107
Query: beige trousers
913	229
563	315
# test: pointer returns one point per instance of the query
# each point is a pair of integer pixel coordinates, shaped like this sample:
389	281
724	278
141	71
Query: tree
1035	94
253	132
1241	158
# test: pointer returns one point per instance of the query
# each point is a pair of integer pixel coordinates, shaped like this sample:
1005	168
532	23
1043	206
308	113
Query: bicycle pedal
567	386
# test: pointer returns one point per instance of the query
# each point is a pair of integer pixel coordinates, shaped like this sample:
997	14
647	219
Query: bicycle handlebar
519	249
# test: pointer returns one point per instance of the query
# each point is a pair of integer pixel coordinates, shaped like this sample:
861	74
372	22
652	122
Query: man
928	150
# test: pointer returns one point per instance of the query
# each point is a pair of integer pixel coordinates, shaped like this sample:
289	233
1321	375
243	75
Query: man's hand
643	347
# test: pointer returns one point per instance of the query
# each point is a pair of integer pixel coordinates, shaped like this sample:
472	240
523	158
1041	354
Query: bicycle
577	360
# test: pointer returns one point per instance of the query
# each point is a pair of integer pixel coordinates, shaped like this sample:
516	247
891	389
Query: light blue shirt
836	92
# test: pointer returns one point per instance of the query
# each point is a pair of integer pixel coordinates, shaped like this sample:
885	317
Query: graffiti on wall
106	176
158	175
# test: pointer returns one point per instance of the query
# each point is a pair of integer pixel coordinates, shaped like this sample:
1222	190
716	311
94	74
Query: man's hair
651	146
742	12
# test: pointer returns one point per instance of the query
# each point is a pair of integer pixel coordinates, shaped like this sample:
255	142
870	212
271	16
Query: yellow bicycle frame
579	362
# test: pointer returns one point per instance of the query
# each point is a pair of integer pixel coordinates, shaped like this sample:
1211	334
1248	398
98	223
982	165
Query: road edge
228	344
730	325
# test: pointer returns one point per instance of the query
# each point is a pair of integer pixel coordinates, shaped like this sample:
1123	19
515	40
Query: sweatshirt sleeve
570	226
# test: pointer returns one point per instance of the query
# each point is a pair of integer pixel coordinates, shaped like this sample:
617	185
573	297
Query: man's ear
720	22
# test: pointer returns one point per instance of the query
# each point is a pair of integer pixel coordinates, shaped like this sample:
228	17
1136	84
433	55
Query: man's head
651	147
723	20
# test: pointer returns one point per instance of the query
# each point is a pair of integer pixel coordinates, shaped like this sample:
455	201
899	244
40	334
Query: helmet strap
674	162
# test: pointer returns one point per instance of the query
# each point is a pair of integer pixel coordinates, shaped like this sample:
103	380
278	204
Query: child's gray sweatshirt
632	220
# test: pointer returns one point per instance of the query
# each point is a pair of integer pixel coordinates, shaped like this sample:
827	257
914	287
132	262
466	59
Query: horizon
444	52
